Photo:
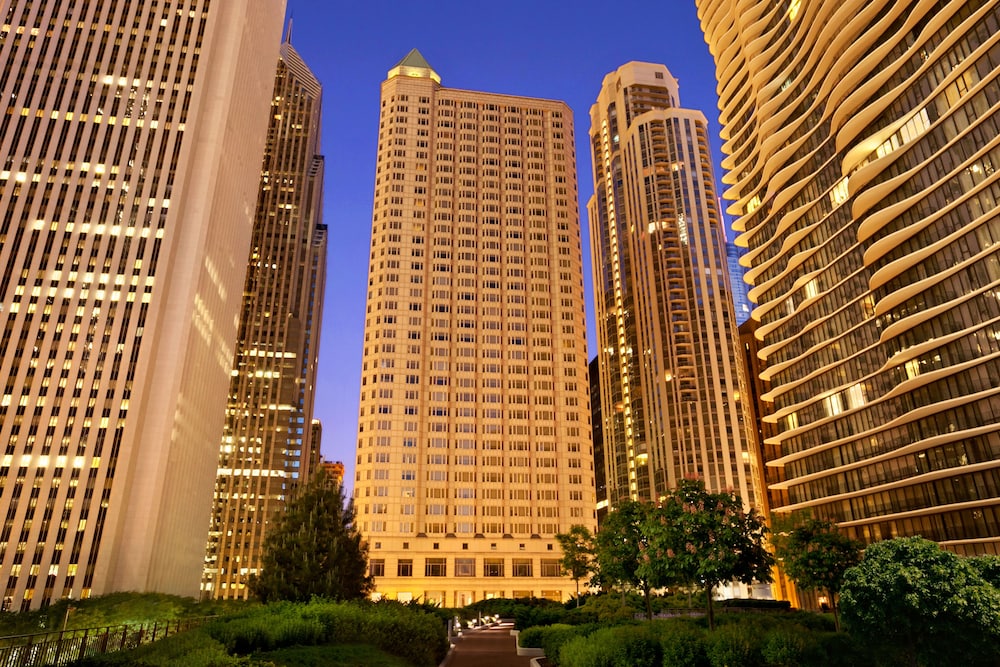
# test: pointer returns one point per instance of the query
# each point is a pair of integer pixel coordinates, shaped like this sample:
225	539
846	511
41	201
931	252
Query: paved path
487	647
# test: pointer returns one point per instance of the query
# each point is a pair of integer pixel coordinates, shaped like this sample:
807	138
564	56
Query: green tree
314	549
705	539
988	567
618	546
578	552
816	555
927	605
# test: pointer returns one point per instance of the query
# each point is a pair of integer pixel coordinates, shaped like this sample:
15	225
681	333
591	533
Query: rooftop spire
288	31
414	59
414	64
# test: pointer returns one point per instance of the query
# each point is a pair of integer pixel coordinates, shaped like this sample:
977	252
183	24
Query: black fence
60	648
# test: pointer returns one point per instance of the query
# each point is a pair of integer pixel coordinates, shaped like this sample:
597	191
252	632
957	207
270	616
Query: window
551	568
404	568
435	567
522	567
465	567
493	567
376	567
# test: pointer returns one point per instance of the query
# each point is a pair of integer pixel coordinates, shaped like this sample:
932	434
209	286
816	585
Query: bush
581	616
113	609
756	603
417	637
810	620
680	599
191	649
533	637
550	638
585	652
789	647
269	628
525	612
611	608
734	645
636	647
623	646
842	650
682	643
342	655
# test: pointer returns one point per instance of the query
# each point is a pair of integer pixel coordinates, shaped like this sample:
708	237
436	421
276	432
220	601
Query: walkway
487	647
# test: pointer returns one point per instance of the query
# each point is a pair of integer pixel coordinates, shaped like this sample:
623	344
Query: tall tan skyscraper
670	368
267	446
863	151
474	445
130	149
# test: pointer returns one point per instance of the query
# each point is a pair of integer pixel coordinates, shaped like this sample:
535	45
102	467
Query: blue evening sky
554	49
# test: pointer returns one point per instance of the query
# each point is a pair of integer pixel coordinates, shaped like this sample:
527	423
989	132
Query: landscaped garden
320	632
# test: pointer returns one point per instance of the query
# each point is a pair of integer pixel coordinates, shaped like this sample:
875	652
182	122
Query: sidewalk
487	647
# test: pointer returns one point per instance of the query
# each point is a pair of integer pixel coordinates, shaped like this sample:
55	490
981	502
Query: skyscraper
741	302
267	445
862	142
669	360
473	440
130	145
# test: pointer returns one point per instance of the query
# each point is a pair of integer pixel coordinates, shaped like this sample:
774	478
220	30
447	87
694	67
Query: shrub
191	649
341	622
581	616
417	637
843	650
756	603
611	608
585	652
810	620
623	646
525	612
533	637
268	628
636	647
550	638
789	647
734	645
682	643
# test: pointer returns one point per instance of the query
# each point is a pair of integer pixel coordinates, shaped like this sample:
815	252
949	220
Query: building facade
596	428
670	367
126	218
862	142
741	302
474	445
334	471
267	446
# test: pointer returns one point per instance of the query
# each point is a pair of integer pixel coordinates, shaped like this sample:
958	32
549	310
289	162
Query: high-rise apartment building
862	142
670	368
130	146
596	428
741	302
267	445
474	442
334	471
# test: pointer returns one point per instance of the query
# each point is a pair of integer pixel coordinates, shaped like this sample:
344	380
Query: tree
314	549
706	539
578	552
988	567
929	605
816	555
618	546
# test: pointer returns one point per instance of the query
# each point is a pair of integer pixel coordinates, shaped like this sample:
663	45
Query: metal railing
60	648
